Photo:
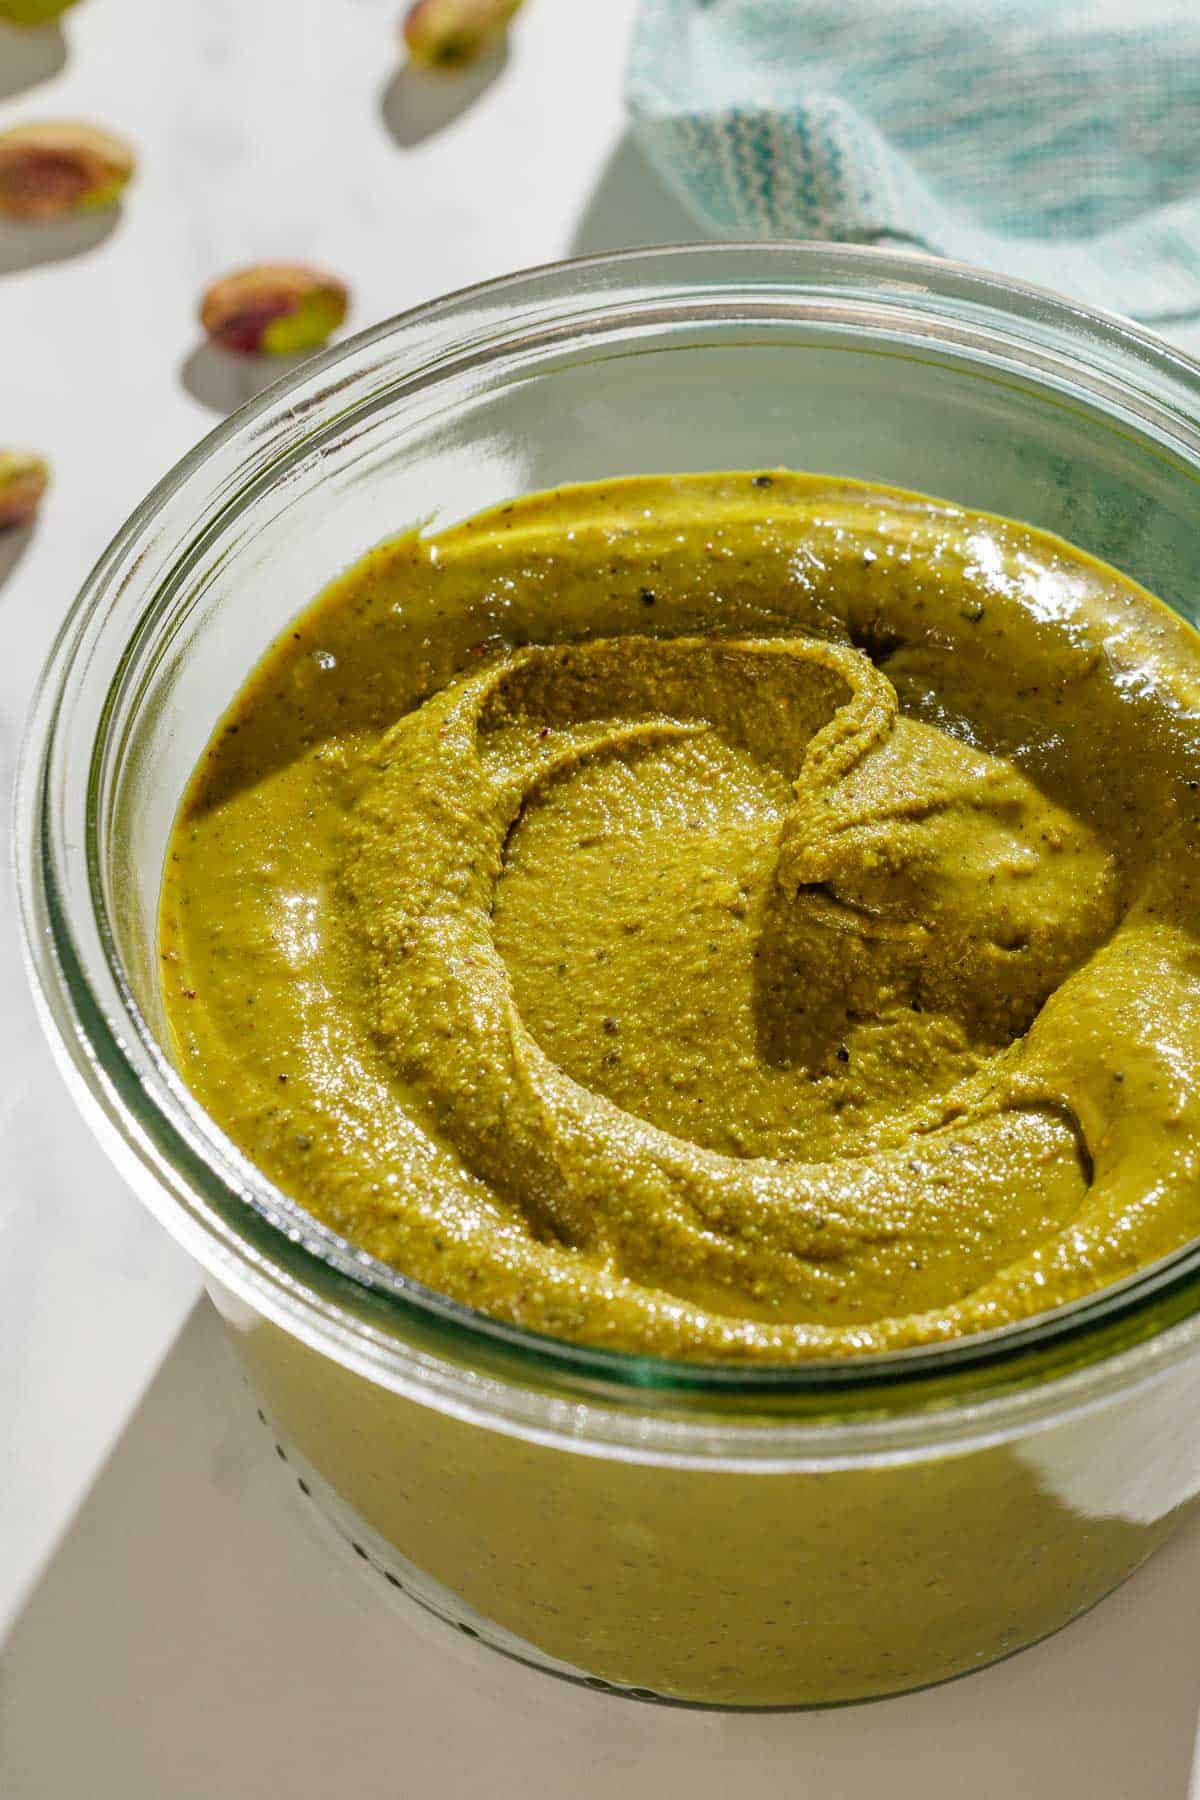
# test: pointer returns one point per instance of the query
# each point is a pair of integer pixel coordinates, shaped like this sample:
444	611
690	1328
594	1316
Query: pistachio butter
728	916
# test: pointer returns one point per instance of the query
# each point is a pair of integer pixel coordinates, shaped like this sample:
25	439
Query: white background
178	1624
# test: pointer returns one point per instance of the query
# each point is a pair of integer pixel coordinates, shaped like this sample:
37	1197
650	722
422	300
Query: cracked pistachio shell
445	34
50	170
33	12
275	309
23	480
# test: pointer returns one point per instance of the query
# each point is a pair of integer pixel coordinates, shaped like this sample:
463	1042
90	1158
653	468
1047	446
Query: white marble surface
178	1627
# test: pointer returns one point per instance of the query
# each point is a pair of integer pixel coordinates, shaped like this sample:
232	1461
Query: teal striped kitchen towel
1055	141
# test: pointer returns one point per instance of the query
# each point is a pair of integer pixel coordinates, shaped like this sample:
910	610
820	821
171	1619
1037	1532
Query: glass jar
717	1535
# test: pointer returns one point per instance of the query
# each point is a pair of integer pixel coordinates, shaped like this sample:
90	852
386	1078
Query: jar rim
255	1240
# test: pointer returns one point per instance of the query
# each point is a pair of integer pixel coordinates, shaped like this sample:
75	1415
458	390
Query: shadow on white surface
418	103
28	58
54	240
200	1633
631	208
13	545
223	382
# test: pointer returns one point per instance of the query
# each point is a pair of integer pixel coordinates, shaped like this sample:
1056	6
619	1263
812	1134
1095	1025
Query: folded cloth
1055	141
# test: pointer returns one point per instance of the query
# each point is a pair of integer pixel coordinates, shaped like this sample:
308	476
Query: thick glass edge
1064	1334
